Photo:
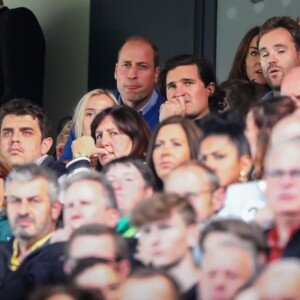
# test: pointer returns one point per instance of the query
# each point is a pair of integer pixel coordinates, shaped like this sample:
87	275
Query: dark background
175	26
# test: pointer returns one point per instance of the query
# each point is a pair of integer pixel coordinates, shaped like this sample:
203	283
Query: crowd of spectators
169	187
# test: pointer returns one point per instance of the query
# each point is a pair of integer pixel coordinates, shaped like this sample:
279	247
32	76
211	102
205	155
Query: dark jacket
42	266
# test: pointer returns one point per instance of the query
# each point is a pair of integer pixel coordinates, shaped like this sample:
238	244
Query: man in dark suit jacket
22	55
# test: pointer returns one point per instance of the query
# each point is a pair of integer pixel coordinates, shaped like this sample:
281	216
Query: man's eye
14	200
146	230
264	54
163	226
128	179
202	158
7	133
143	67
34	200
172	86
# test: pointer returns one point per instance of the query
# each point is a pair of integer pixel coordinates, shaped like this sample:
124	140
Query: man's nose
133	72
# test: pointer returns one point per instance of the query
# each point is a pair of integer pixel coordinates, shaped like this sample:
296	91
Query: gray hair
92	175
29	172
247	246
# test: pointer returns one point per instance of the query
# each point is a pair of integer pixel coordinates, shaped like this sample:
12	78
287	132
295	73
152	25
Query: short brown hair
237	227
281	22
160	206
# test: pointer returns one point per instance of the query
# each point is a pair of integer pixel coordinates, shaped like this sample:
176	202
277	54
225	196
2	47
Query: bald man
290	85
287	128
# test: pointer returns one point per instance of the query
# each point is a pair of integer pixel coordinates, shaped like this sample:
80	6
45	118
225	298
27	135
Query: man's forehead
36	186
123	168
183	73
137	51
19	120
174	218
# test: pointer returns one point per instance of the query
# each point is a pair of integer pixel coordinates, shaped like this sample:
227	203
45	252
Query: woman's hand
86	146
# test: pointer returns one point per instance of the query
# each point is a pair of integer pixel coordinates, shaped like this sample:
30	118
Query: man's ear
193	235
56	209
116	71
218	199
124	269
59	151
112	217
211	88
148	192
46	145
156	74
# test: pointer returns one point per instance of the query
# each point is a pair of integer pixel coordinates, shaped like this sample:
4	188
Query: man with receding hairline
136	74
282	176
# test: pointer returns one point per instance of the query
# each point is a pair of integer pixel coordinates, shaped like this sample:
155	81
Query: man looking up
25	135
279	46
188	83
136	73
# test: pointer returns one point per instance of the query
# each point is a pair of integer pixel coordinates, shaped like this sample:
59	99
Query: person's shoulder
268	95
23	15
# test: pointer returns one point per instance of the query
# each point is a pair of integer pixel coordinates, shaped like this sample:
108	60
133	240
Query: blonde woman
87	108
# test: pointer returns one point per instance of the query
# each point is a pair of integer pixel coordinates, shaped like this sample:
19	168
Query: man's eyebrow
171	83
6	128
263	49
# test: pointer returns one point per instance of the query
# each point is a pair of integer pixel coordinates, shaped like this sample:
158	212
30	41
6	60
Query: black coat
22	55
43	266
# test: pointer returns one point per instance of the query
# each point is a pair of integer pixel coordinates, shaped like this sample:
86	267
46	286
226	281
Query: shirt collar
148	105
15	262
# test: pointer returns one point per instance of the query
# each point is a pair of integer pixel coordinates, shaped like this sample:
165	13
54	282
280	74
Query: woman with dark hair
224	147
240	94
260	120
174	141
115	132
246	64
